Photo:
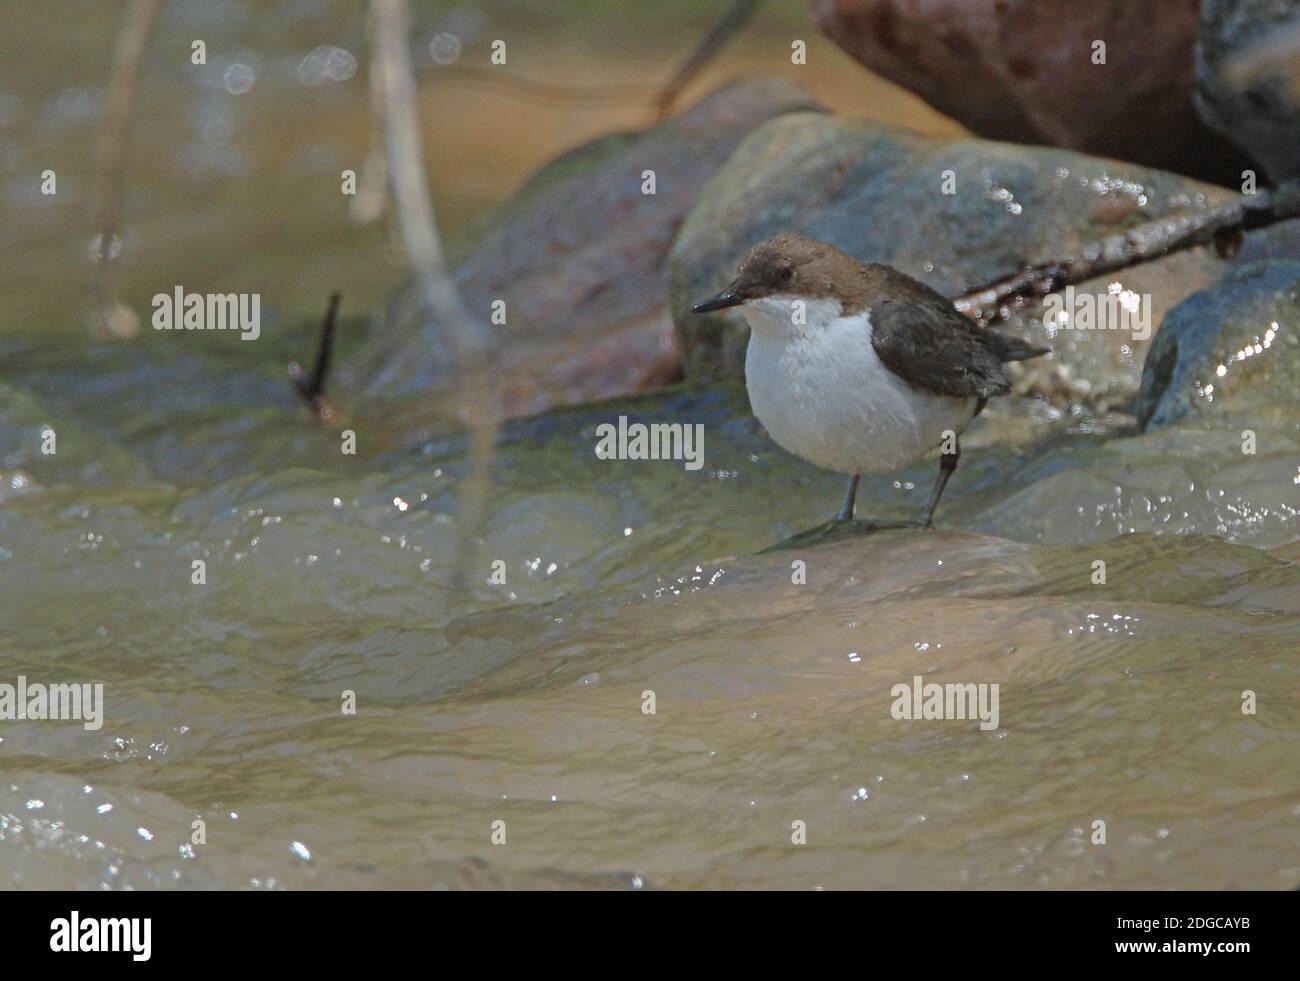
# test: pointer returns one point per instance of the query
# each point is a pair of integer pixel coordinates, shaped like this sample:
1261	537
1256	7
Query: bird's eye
785	276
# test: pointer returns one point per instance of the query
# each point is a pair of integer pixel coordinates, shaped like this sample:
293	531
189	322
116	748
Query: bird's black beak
727	298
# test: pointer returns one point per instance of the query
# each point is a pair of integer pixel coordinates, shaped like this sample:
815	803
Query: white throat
786	315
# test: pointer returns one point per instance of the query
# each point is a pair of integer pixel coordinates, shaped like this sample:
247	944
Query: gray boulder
1248	78
1232	348
877	193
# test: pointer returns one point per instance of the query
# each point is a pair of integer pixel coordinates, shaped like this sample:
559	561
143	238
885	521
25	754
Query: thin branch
728	25
312	387
113	318
471	339
1220	226
371	199
530	89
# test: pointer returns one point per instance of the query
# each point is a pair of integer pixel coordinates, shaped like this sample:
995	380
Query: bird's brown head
788	265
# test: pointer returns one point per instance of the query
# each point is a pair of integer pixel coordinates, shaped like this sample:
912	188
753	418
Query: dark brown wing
921	337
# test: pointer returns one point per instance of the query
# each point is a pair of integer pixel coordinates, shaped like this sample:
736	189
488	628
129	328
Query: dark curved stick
718	35
1221	226
312	387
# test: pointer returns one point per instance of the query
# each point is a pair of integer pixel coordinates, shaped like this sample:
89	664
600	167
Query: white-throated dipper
857	367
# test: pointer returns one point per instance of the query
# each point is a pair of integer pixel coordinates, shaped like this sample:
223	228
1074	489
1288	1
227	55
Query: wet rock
43	445
1280	241
1022	70
1248	78
1233	348
519	699
1192	480
877	194
579	258
147	412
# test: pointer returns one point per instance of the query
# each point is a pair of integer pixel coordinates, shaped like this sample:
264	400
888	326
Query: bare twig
1219	226
719	34
371	199
472	339
312	387
113	319
546	92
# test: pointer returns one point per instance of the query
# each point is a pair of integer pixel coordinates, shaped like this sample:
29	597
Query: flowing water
525	702
645	701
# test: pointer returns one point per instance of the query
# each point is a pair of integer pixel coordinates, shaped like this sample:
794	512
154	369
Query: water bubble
97	246
341	65
238	78
444	48
326	63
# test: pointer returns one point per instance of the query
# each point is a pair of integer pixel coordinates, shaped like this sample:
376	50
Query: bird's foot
837	529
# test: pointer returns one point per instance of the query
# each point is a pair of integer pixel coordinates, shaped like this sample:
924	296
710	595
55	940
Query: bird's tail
1009	348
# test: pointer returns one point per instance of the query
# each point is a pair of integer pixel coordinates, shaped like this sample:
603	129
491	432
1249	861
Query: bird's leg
947	464
846	512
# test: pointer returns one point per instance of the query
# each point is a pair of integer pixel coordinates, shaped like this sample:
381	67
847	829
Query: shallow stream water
527	701
524	702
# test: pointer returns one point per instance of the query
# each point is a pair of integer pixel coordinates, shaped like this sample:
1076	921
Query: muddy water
525	702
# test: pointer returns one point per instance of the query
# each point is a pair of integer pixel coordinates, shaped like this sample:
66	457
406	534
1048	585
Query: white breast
823	394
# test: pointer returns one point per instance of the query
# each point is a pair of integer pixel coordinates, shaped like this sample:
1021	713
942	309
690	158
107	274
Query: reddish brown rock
579	257
1023	71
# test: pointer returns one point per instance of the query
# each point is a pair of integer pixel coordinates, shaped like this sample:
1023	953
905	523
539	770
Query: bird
859	368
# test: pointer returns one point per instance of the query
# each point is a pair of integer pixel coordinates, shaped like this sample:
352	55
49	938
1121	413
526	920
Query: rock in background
1022	70
579	257
877	194
1233	347
1248	78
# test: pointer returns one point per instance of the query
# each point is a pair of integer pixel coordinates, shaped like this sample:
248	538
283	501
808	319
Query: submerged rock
1186	480
1024	71
1234	347
43	444
579	259
144	412
519	696
878	194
